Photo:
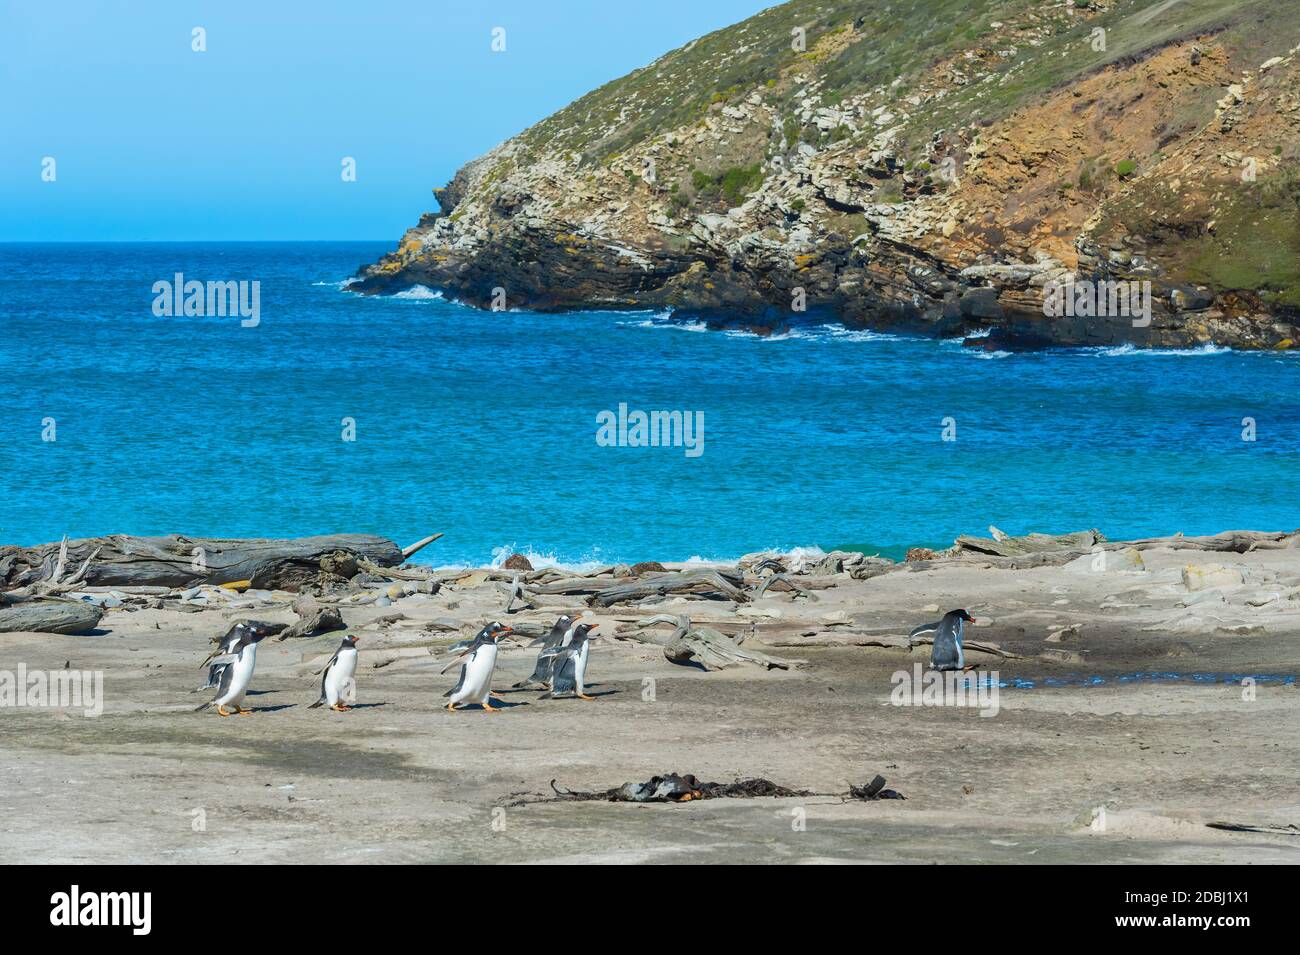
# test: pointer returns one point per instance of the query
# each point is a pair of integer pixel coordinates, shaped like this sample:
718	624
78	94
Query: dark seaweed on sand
673	787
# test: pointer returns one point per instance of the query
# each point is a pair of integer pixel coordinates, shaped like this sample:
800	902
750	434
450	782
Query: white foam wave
419	293
1209	348
794	557
540	559
664	321
340	284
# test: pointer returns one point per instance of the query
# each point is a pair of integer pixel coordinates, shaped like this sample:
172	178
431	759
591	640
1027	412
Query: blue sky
154	141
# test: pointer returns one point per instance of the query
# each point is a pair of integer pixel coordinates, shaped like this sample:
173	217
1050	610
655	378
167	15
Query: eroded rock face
943	189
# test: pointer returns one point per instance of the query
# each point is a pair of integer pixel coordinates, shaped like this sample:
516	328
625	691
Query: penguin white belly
241	674
478	676
341	675
580	668
961	656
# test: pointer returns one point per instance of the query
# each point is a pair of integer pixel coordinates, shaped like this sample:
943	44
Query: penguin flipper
564	677
328	663
456	659
459	683
319	702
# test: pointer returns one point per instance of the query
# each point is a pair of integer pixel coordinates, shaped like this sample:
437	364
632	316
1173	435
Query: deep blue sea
483	425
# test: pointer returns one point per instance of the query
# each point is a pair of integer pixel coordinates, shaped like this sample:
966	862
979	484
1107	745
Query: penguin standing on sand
946	654
475	683
227	647
569	669
561	633
339	677
236	675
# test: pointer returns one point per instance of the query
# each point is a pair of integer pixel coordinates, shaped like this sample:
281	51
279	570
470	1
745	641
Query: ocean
485	426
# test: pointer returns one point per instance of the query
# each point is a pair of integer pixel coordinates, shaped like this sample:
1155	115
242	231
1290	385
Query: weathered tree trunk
1029	544
313	619
712	581
1040	550
710	648
178	561
50	616
1239	542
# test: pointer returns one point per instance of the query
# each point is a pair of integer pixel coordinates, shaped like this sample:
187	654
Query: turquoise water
483	425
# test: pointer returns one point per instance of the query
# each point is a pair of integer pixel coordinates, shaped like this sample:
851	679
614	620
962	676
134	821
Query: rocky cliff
911	165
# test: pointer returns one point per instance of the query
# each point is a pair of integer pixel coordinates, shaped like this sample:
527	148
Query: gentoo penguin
475	683
227	647
946	654
561	633
236	676
339	676
569	669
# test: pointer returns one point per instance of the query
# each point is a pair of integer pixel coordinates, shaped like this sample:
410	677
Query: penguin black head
494	631
348	641
254	631
583	630
257	630
960	615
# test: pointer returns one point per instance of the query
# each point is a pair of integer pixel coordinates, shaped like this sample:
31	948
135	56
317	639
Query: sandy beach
1122	728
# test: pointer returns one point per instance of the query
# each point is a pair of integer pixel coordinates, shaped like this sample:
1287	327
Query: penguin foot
244	711
340	707
221	711
451	707
489	708
584	696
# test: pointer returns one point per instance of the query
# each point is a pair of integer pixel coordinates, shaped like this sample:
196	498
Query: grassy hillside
1023	47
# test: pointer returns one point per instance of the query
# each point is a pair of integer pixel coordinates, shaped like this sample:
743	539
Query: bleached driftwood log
313	619
1042	550
1238	542
710	648
1028	544
728	585
50	616
179	561
53	577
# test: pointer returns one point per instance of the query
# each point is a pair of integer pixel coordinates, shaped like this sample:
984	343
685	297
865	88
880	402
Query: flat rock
1209	576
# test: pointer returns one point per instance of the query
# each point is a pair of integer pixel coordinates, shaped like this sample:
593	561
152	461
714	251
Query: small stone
1210	576
749	610
1065	633
517	562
